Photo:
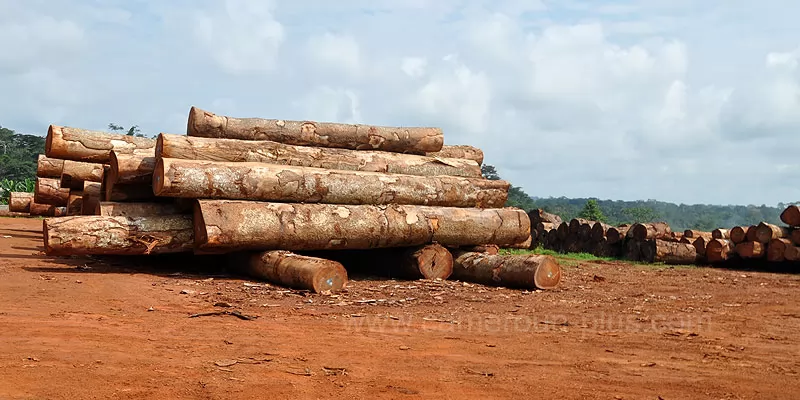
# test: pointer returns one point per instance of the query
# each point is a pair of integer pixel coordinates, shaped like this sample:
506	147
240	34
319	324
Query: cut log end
52	131
548	274
433	261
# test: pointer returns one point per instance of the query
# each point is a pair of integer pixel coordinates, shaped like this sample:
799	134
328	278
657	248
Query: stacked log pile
292	202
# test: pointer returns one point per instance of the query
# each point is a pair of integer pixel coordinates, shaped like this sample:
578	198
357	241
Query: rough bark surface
751	250
137	210
20	202
523	271
525	244
416	140
292	270
49	191
129	169
222	225
75	202
93	146
84	235
719	250
267	182
74	173
91	198
264	151
47	167
44	210
720	234
460	151
617	234
738	234
776	250
668	252
656	230
766	232
791	215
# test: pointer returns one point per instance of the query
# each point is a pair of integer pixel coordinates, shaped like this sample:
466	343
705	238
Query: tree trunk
563	231
585	231
20	202
84	235
604	249
522	271
701	245
74	173
538	215
694	234
795	236
662	251
572	244
130	169
264	151
791	215
751	250
633	250
75	202
487	248
93	146
416	140
47	167
776	250
49	191
224	225
752	234
459	151
656	230
766	232
266	182
44	210
292	270
720	234
617	234
792	253
719	250
738	234
599	231
544	226
91	198
523	245
575	225
686	239
137	210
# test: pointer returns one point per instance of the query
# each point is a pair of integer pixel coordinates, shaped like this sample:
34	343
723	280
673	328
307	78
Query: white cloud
414	66
329	51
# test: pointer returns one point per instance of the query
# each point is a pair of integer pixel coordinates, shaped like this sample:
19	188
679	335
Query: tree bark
20	202
521	271
667	252
75	202
752	234
488	248
701	245
47	167
776	250
224	225
130	169
459	151
720	234
719	250
137	210
266	182
751	250
74	173
44	210
791	215
523	245
93	146
766	232
738	234
91	198
264	151
656	230
49	191
416	140
617	234
792	253
599	231
292	270
86	235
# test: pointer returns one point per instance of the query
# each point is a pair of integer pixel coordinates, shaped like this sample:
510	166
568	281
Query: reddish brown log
292	270
751	235
575	225
93	146
91	198
617	234
74	173
415	140
47	167
599	231
487	248
130	169
686	239
776	250
563	231
633	250
766	232
585	231
720	234
791	215
572	244
694	234
719	250
539	215
738	234
49	191
656	230
75	202
524	245
459	151
751	250
700	245
44	210
20	202
795	236
602	248
667	252
136	210
792	253
523	271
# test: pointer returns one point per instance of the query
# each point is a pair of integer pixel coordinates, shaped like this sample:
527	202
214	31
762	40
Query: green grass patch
573	259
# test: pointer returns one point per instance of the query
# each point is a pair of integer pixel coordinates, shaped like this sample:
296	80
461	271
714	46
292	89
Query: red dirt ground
88	328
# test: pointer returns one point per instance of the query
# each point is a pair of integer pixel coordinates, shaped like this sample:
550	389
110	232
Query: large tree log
135	210
232	150
700	244
599	231
795	236
585	231
430	261
667	252
538	215
130	169
751	250
82	235
223	225
417	140
601	248
791	215
766	232
617	234
776	250
656	230
562	231
47	167
523	245
572	244
633	250
93	146
719	250
292	270
460	151
266	182
522	271
792	253
486	248
44	210
738	234
49	191
74	173
20	202
720	233
91	198
575	225
75	202
752	234
544	226
694	234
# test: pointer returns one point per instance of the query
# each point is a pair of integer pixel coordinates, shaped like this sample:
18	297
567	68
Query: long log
668	252
701	244
49	191
694	234
91	198
752	234
719	250
90	234
751	250
459	151
265	151
74	173
44	210
738	234
617	234
575	225
223	225
599	231
75	202
766	232
416	140
292	270
140	209
656	230
93	146
633	250
47	167
720	233
562	231
585	231
521	271
791	215
601	248
792	253
430	261
776	249
267	182
523	245
130	169
20	202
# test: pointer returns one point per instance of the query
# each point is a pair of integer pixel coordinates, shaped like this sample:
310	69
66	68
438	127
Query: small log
90	234
292	270
766	232
93	146
74	173
137	210
776	250
791	215
792	253
539	215
667	252
523	271
91	198
701	244
44	210
738	234
719	250
20	202
720	233
224	225
267	182
751	250
656	230
47	167
49	191
599	231
265	151
75	202
415	140
130	169
459	151
795	236
752	234
617	234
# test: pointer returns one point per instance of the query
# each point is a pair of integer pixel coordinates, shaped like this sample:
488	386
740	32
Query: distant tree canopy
18	154
132	131
592	212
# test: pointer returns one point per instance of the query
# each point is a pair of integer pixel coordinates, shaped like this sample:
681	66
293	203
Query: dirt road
83	328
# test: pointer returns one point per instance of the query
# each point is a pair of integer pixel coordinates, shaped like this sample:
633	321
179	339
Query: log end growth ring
332	278
548	274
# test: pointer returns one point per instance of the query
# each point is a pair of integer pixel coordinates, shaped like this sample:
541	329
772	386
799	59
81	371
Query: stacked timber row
292	202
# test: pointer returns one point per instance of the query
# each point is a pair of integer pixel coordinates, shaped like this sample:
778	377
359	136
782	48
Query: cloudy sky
676	100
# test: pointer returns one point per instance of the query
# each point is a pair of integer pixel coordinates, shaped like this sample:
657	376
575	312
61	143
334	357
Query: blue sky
683	101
